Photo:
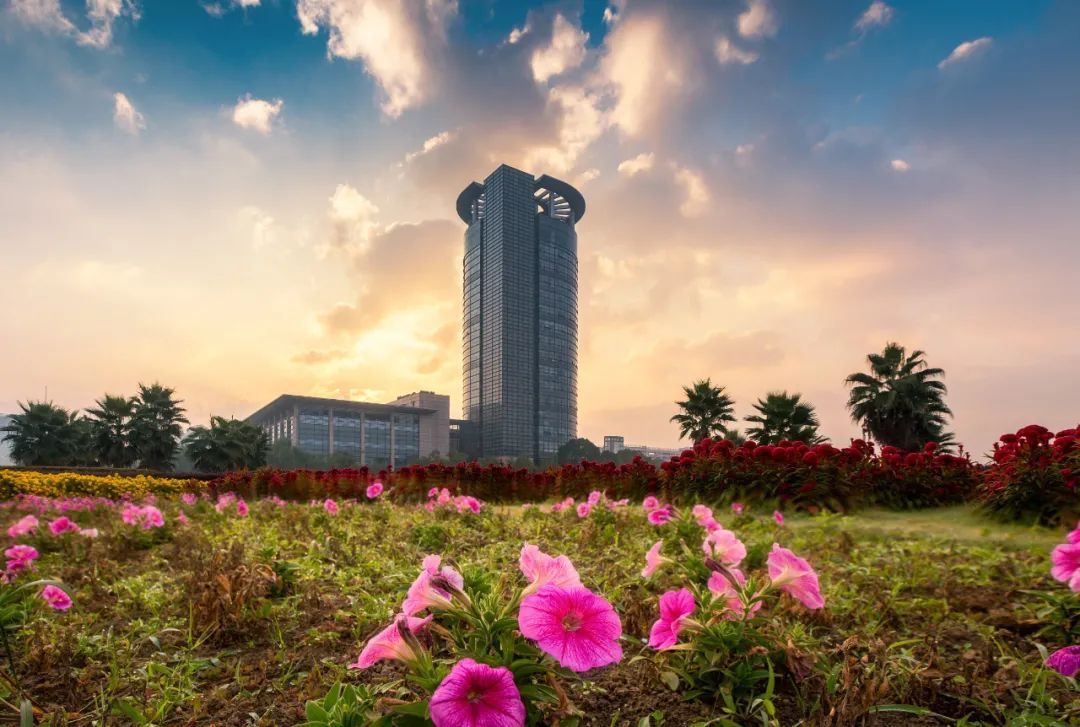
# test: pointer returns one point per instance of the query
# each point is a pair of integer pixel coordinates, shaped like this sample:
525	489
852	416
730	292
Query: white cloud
352	219
758	20
613	11
431	144
695	192
101	14
218	9
126	117
899	165
965	51
256	114
647	69
260	224
517	34
565	51
585	177
727	52
394	39
641	163
581	122
878	14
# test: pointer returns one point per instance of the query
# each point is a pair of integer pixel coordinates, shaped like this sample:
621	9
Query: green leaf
315	713
670	680
26	714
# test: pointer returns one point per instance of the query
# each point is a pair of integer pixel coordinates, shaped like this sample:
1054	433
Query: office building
520	312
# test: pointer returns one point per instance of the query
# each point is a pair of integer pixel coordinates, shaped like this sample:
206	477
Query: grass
239	621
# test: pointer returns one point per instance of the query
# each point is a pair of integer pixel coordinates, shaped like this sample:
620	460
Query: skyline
250	199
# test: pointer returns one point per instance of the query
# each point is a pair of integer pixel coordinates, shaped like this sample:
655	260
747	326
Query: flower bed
1034	476
70	484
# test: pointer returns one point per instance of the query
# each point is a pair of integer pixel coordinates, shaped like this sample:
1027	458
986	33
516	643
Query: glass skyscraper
520	312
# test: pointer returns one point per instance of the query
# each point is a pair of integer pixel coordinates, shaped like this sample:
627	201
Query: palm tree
901	402
782	416
44	434
155	426
110	425
705	412
227	444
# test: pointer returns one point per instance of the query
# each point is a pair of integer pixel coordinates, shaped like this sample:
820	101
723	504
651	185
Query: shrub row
1034	477
76	484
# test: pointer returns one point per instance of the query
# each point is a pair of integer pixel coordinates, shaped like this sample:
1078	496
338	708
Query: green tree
155	426
227	444
901	401
706	411
110	430
576	450
782	416
43	434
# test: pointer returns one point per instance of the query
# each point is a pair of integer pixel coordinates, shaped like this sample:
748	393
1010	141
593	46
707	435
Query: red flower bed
1034	476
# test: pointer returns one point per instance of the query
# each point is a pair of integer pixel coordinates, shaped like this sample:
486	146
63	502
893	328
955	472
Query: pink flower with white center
721	587
737	508
724	547
650	503
778	517
793	575
702	515
62	525
583	510
390	643
374	490
1065	662
477	695
20	558
653	559
594	497
242	508
540	569
1066	564
675	609
660	515
576	627
23	526
330	506
56	597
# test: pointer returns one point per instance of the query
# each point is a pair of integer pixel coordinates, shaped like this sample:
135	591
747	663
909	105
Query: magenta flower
431	564
793	575
1066	564
189	498
181	517
653	559
23	526
650	503
374	490
477	695
583	510
390	644
242	508
722	545
20	557
778	517
721	587
594	497
62	525
737	508
540	569
675	608
660	515
56	597
423	594
578	628
1065	662
702	515
330	506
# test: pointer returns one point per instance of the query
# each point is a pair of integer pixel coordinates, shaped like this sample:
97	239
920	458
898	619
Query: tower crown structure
520	312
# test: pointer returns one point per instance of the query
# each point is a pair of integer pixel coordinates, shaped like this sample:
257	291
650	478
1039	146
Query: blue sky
775	188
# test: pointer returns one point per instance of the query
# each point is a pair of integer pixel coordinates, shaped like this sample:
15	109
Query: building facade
614	443
372	435
520	312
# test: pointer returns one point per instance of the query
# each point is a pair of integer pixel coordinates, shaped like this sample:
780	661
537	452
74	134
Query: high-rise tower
520	312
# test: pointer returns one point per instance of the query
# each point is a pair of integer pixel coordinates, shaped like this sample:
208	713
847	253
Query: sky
244	198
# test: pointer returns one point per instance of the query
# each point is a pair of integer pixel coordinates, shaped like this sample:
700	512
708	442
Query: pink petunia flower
650	503
182	518
390	643
594	497
477	695
675	608
433	492
540	569
423	594
431	564
660	515
242	508
721	587
1066	564
702	515
576	627
1065	662
62	525
737	508
189	498
56	597
330	506
778	517
23	526
793	575
374	490
583	510
653	559
722	545
20	557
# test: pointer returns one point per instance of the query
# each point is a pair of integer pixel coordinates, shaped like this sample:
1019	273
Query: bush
1034	477
69	484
